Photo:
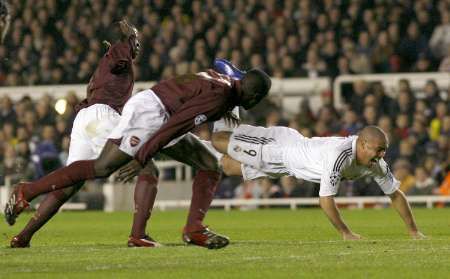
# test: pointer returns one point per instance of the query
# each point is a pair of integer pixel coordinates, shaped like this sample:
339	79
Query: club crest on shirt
334	178
134	141
237	148
199	119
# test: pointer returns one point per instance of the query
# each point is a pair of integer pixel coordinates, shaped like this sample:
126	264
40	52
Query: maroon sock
64	177
144	198
203	189
47	208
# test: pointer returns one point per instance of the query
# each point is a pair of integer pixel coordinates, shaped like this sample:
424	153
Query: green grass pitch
270	243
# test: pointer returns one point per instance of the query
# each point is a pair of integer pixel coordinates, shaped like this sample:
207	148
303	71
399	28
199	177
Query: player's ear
106	44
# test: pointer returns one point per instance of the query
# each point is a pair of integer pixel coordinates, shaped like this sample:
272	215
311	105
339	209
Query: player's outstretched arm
404	210
329	207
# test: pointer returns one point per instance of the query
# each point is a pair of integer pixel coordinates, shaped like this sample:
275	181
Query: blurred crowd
53	42
56	42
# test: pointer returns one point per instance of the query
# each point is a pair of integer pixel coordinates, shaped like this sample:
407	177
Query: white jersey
324	160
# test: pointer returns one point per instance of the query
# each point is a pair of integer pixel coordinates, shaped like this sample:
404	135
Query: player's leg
110	160
90	130
190	150
220	141
144	197
230	167
79	149
46	210
141	118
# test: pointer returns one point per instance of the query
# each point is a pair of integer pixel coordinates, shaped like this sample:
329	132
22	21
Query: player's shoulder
339	152
338	145
214	77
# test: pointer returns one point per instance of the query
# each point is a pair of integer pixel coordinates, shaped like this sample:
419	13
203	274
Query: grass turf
265	244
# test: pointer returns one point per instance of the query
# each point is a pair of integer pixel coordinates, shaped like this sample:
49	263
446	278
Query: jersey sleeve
120	59
332	172
193	113
385	179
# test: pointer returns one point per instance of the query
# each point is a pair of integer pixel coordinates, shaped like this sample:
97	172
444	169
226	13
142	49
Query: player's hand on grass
417	235
351	236
129	171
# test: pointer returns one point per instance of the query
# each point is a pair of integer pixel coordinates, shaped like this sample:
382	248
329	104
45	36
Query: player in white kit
280	151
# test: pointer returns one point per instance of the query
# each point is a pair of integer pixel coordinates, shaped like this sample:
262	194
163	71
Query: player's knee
220	141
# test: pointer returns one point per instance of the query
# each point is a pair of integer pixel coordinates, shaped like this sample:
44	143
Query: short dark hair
257	83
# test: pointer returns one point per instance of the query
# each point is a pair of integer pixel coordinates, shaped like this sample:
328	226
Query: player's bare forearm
329	207
400	204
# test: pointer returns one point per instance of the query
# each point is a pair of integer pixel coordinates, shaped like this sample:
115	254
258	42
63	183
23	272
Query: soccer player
108	90
151	120
5	19
281	151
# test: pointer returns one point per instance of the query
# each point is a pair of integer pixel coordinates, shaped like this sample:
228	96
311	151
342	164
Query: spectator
440	39
424	184
436	125
351	124
46	155
432	96
356	101
402	171
412	45
7	113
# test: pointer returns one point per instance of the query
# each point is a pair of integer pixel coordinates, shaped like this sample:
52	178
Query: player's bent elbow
220	141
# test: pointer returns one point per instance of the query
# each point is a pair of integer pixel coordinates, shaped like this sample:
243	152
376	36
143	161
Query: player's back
309	154
176	91
113	80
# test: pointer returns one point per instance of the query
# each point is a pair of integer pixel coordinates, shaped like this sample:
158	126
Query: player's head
255	85
371	145
124	32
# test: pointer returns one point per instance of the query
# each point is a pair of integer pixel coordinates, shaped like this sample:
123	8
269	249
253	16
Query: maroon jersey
190	100
113	80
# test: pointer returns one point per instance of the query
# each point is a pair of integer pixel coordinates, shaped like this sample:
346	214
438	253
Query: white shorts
91	129
142	116
257	148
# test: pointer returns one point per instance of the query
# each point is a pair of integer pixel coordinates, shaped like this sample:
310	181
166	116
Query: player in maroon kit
108	90
154	119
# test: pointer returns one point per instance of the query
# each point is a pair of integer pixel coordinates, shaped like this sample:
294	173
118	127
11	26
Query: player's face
250	100
136	46
373	151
